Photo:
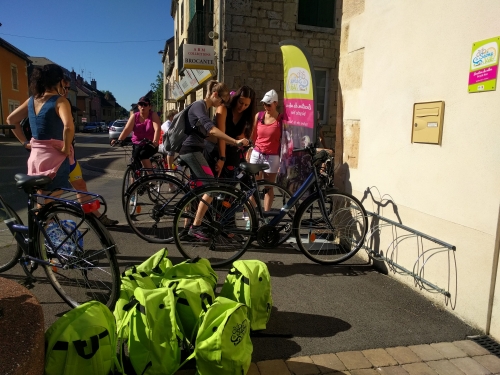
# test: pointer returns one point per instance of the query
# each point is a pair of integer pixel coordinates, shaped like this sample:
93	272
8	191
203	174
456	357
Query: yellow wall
7	58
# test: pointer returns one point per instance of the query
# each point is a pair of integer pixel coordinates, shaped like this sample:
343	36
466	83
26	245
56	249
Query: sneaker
197	231
106	221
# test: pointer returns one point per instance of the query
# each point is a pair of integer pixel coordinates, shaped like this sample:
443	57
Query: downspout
219	53
494	272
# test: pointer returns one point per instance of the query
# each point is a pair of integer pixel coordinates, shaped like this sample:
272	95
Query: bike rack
427	247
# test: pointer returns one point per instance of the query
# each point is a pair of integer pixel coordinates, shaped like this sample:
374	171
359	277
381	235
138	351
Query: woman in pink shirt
266	136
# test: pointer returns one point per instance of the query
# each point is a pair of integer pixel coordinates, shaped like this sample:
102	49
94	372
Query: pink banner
299	112
482	75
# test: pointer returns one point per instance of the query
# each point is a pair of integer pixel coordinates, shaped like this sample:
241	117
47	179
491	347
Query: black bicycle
329	227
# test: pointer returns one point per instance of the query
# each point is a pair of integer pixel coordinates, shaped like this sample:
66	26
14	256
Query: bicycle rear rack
427	247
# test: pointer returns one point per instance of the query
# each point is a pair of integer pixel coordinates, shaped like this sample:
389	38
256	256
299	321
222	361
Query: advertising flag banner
483	69
299	118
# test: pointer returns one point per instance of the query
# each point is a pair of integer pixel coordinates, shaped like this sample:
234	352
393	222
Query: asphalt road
327	309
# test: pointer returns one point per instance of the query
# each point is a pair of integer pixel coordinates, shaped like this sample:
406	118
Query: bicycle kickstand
29	281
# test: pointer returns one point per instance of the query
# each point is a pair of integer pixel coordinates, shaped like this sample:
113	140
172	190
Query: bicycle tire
229	234
129	177
281	196
155	197
10	250
317	240
90	271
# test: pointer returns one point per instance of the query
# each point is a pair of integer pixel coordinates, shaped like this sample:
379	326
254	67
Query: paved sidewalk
445	358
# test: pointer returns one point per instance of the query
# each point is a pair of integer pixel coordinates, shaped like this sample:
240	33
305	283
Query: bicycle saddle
30	183
253	168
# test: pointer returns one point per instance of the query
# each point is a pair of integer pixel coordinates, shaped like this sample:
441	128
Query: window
13	104
182	17
321	78
15	83
320	13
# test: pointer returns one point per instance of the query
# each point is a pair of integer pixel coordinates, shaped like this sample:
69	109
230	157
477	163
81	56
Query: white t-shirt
165	126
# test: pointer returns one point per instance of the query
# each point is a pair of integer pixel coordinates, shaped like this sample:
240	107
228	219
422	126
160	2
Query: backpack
223	344
249	282
178	131
147	275
191	269
190	294
154	339
82	341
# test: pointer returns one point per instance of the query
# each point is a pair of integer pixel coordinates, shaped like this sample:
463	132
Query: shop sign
483	69
195	56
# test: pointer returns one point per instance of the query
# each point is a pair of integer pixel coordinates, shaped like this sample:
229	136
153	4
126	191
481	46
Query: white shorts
272	160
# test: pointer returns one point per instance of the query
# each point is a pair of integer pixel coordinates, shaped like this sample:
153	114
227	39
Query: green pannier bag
190	295
154	338
223	344
147	275
191	269
249	282
82	341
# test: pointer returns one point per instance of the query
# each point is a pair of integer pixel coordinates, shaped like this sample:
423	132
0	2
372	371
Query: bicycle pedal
28	282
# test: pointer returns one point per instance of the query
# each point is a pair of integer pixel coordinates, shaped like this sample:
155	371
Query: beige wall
397	53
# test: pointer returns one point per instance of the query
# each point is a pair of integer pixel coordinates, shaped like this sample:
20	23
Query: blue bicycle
329	226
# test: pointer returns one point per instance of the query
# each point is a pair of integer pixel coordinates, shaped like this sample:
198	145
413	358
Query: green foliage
157	88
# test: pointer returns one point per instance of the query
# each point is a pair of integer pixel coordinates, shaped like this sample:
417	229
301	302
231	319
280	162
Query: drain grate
488	343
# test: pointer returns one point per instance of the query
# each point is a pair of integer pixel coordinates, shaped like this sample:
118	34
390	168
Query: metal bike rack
427	247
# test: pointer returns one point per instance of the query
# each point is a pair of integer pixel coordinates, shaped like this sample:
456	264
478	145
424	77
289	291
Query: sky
115	42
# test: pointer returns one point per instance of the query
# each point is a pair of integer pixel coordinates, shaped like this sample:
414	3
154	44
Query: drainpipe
219	61
494	272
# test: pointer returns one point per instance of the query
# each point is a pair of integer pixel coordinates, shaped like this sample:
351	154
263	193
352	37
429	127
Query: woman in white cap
266	136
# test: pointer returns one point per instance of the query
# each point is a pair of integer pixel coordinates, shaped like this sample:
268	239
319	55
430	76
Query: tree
157	97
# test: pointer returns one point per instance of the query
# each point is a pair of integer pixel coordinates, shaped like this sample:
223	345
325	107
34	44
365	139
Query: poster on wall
299	109
483	69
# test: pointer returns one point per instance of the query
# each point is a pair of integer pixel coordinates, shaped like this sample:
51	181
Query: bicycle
134	168
76	251
329	227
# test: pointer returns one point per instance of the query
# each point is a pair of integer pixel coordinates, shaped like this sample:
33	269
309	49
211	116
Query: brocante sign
196	56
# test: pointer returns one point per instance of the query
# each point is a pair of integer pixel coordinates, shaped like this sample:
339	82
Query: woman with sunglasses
191	151
236	120
146	125
51	123
266	137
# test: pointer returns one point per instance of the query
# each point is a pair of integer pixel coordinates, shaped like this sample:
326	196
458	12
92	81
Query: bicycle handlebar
4	127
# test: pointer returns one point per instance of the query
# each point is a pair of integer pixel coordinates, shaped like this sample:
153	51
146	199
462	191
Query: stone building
245	35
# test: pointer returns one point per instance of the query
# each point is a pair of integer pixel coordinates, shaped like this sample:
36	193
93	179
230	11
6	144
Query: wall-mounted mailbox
427	126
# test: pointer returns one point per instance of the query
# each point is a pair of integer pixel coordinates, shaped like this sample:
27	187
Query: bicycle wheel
226	234
281	196
10	251
333	244
129	178
151	201
82	256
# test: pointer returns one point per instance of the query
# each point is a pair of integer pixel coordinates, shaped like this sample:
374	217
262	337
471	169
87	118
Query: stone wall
251	55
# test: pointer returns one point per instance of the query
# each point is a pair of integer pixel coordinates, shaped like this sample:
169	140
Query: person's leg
200	168
270	175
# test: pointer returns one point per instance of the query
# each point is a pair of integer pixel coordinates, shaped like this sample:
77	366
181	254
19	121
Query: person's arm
321	137
64	112
253	137
15	119
157	127
220	122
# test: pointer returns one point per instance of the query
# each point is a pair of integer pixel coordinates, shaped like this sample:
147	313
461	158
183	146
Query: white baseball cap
271	96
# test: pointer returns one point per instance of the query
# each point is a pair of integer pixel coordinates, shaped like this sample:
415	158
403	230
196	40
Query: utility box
427	126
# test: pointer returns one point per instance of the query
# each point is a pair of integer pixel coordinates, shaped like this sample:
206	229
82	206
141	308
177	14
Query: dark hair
249	113
44	78
219	87
144	99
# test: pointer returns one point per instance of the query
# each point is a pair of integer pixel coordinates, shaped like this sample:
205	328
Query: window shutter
317	13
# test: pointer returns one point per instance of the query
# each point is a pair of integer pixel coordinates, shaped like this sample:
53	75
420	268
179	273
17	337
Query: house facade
418	141
13	79
245	36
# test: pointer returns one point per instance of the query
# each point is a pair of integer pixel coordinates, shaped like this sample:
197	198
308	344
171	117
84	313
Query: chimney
73	76
79	80
93	83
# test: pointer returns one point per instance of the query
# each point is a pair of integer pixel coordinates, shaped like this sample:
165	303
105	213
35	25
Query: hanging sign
177	92
483	69
202	75
196	56
188	82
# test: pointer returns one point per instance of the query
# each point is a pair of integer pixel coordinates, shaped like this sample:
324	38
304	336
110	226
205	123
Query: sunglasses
142	104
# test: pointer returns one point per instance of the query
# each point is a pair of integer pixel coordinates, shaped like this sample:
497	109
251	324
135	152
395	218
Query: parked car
116	129
102	126
90	127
